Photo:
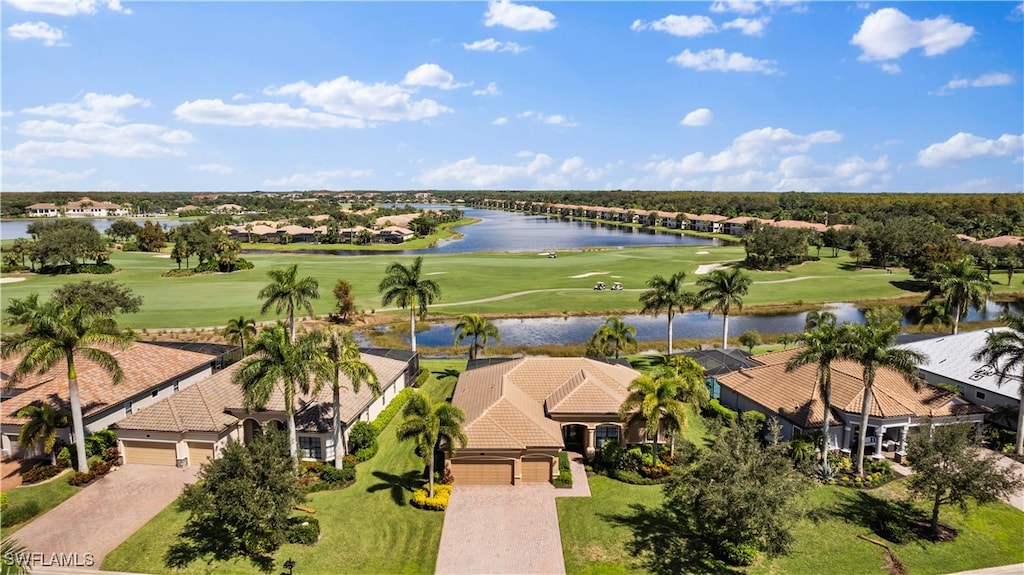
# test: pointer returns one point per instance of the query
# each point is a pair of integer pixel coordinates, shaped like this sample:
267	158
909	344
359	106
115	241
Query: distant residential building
87	208
43	210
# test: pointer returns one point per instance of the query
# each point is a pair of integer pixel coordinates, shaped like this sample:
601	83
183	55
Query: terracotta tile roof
799	224
795	395
505	403
709	217
1003	241
144	365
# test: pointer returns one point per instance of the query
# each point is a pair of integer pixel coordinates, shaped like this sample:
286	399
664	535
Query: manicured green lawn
369	527
509	283
596	533
46	496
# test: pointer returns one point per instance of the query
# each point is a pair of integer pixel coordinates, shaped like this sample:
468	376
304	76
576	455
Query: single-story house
193	426
794	399
43	210
950	362
94	209
151	373
521	412
394	235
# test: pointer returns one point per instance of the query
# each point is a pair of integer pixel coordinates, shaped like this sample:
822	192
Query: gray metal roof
950	357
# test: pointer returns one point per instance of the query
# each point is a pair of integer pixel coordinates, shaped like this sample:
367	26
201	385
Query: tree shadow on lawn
661	543
443	373
398	484
918	286
896	521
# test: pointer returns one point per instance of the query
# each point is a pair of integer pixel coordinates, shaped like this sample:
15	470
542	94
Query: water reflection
13	229
690	325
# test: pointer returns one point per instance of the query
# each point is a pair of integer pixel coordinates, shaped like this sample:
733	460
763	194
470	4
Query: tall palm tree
56	332
1004	352
817	318
615	335
405	286
724	289
666	294
934	313
428	424
872	346
276	361
43	423
239	330
962	285
346	360
653	400
288	291
821	346
479	329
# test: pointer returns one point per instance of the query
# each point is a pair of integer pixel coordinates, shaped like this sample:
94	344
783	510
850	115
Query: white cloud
1017	13
241	96
92	108
500	121
432	76
319	179
678	25
698	117
984	81
36	31
964	146
550	119
90	139
359	101
718	60
215	169
891	68
739	7
518	17
887	34
490	90
492	45
748	26
535	170
67	7
266	114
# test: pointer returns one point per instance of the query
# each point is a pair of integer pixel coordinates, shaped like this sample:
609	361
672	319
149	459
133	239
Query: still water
13	229
696	325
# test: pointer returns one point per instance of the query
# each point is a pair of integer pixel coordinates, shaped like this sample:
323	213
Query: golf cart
600	286
617	286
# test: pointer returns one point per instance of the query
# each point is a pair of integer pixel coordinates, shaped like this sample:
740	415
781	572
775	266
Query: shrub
98	443
421	499
81	479
64	457
310	468
718	411
421	378
756	417
335	476
880	467
564	480
635	478
20	513
609	454
366	453
303	530
3	502
631	460
658	471
445	476
40	473
736	555
362	440
391	410
841	464
563	461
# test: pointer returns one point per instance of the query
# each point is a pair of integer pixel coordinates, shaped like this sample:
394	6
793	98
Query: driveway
1015	499
505	529
104	514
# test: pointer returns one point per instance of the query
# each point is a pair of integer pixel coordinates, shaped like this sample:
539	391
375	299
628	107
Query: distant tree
860	253
1004	352
20	250
123	230
478	329
770	247
430	425
667	294
816	318
423	224
67	241
151	237
239	330
934	313
345	302
750	339
950	470
961	285
43	423
287	291
239	506
405	286
612	337
723	289
181	251
100	298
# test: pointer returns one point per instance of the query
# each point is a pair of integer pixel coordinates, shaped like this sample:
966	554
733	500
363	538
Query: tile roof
1003	241
144	365
507	404
795	395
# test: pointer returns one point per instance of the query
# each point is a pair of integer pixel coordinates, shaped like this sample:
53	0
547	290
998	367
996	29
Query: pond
13	229
690	325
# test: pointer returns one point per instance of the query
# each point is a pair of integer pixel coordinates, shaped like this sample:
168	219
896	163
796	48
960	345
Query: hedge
303	530
392	409
442	493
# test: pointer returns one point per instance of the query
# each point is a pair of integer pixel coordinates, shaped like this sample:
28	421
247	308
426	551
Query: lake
13	229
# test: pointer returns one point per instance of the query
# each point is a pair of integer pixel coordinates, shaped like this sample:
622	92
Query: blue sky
233	96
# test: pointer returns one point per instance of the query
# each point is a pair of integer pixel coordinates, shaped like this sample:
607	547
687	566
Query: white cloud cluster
492	45
431	75
318	179
718	60
984	81
737	6
266	114
748	26
964	146
490	90
518	17
499	121
36	31
678	25
67	7
887	34
92	108
698	117
549	119
536	171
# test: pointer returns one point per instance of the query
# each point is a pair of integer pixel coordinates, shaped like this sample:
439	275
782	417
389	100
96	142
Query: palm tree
479	329
239	330
961	285
872	346
404	286
933	313
54	332
614	334
817	318
43	423
666	294
346	360
821	346
286	292
724	289
653	400
428	424
1004	352
276	361
11	550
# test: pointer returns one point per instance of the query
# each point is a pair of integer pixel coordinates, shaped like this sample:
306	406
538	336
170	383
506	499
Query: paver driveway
104	514
505	529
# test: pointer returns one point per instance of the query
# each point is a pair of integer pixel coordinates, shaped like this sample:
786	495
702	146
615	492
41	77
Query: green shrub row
715	410
97	469
41	472
564	479
392	409
79	269
421	378
421	499
20	513
3	502
303	530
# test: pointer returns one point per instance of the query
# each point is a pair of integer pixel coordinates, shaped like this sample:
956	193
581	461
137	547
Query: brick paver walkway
104	514
506	529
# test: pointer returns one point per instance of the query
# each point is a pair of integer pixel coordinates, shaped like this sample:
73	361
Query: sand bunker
11	280
588	274
435	273
706	269
703	253
164	256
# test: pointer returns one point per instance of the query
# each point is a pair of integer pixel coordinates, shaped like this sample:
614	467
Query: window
155	392
329	448
606	433
979	394
175	387
128	408
309	448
